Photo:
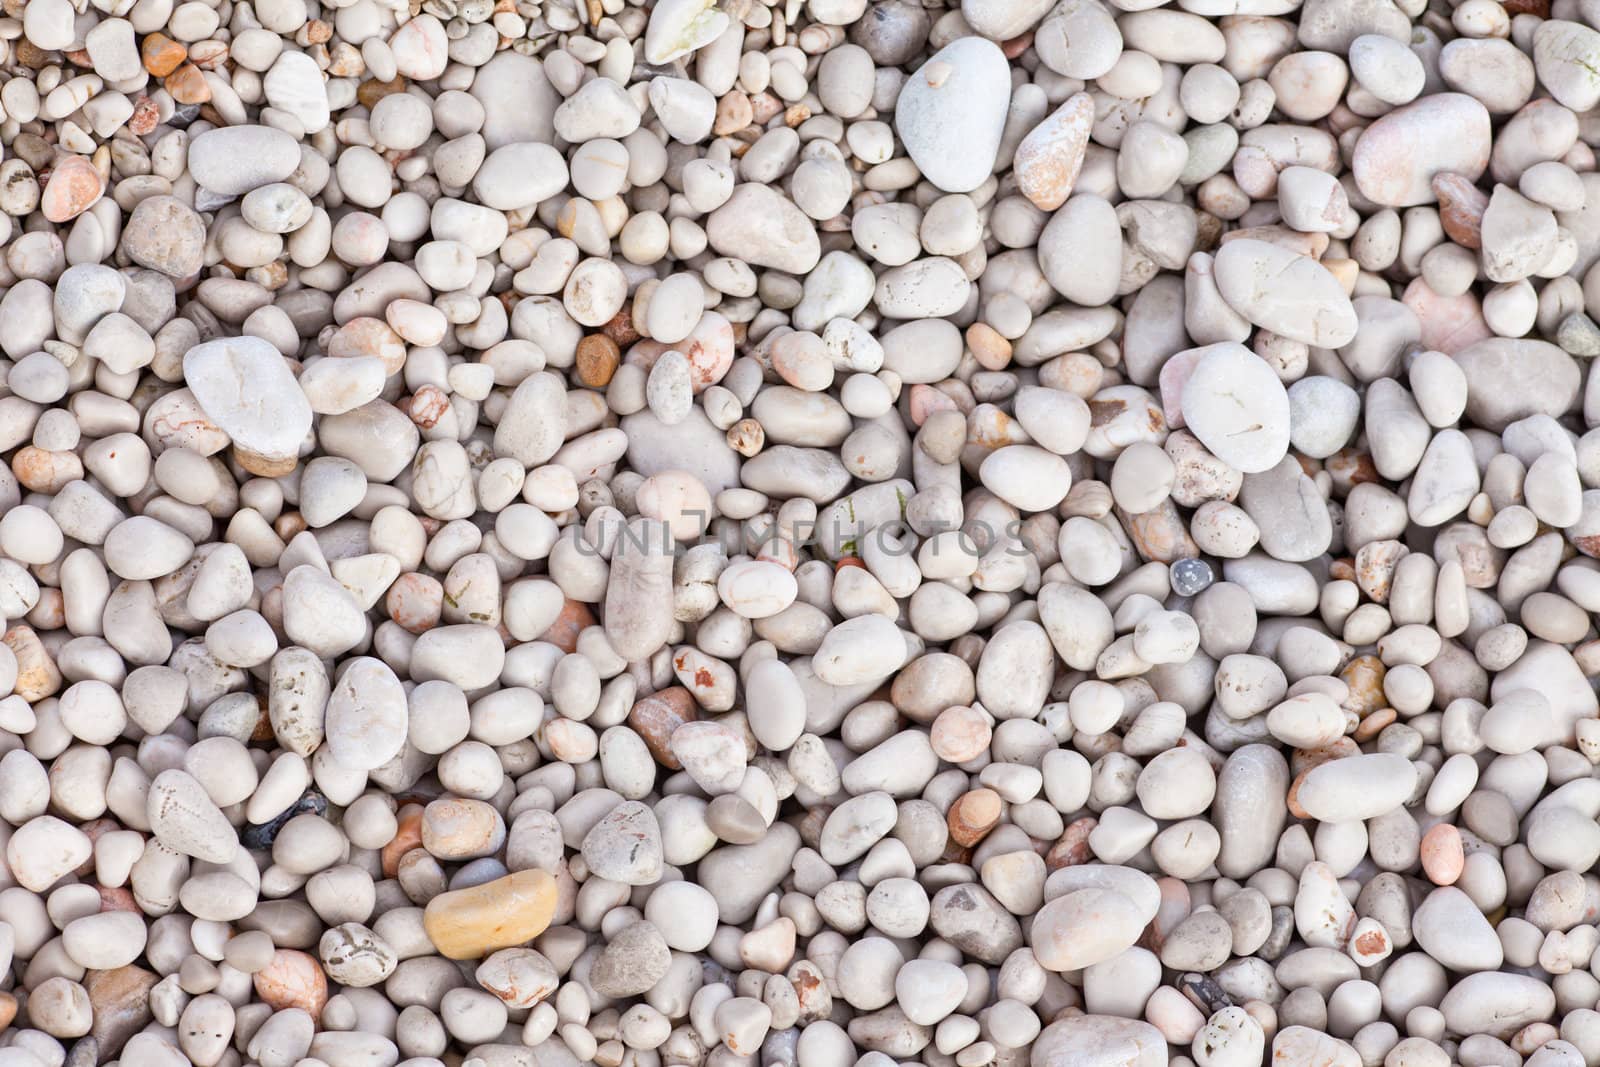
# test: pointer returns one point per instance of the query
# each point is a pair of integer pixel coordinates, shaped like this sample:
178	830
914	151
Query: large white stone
1292	295
244	385
1238	408
952	111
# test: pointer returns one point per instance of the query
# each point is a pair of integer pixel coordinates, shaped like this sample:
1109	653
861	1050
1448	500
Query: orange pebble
293	980
973	815
1374	724
597	360
161	54
407	836
187	85
73	188
656	716
991	350
575	618
1442	854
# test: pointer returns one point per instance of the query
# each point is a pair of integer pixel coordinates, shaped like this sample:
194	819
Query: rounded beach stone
1237	408
1397	156
951	113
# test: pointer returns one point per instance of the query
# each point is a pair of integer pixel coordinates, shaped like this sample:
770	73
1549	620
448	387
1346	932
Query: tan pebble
1160	533
120	998
1364	676
37	674
458	827
467	923
371	91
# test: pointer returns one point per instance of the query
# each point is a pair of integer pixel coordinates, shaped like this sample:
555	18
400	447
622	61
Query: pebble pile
799	533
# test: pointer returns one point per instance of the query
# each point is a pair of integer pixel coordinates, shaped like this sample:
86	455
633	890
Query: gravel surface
833	533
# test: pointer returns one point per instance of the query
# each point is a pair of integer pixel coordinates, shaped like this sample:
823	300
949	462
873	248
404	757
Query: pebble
244	386
1050	157
1289	294
625	846
1083	928
1560	48
295	85
765	229
73	188
1237	407
952	112
1100	1039
1397	156
478	920
365	720
1510	379
233	160
165	235
1371	784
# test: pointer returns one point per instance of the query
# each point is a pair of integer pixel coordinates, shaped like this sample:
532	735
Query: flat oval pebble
232	160
1289	294
1357	787
366	716
761	226
1237	407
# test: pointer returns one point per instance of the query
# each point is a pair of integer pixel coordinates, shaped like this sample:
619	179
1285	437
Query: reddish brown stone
973	815
121	1002
656	716
575	618
1461	207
